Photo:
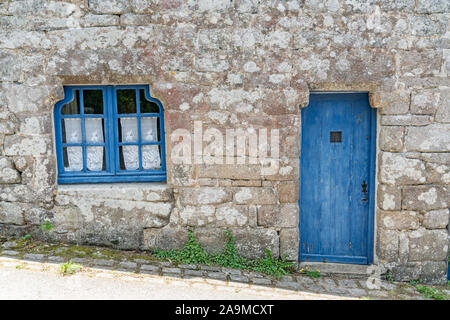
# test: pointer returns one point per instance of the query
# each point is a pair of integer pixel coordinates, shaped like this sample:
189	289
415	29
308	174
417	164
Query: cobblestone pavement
232	281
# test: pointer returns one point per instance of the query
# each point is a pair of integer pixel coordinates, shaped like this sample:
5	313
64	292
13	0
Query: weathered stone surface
204	196
278	216
437	6
197	215
438	173
406	120
255	196
427	139
425	101
166	238
428	245
289	239
94	20
11	213
425	197
396	102
437	158
226	215
36	7
388	245
420	63
34	257
135	19
253	243
36	216
403	5
110	6
8	174
24	193
397	169
434	272
250	242
155	192
391	138
423	25
443	110
407	272
288	192
23	145
247	171
398	220
436	219
107	214
211	239
389	197
238	216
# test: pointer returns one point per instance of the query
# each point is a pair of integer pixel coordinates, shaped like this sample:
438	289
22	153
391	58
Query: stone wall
230	64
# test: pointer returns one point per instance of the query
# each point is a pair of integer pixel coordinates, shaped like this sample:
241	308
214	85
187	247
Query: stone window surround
375	101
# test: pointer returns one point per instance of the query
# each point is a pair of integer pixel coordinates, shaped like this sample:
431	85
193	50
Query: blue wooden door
337	178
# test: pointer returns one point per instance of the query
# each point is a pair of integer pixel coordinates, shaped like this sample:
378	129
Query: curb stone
231	279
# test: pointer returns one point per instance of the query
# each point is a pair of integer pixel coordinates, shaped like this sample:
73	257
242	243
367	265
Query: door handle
364	190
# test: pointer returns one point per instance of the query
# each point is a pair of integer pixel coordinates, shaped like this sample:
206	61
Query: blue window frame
109	134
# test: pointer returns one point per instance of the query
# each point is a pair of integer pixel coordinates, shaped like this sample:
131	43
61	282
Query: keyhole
364	190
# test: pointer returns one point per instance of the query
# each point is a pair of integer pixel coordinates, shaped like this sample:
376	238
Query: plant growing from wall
46	226
194	253
230	257
26	237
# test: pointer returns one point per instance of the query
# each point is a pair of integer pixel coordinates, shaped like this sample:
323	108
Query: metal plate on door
335	136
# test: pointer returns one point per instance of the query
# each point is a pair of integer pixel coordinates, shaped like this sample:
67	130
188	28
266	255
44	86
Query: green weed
310	273
193	253
389	277
26	237
70	268
431	293
46	226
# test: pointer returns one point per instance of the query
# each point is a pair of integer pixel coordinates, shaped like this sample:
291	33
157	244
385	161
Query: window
109	134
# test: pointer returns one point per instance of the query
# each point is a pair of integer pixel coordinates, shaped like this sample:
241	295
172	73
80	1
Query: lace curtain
94	134
150	154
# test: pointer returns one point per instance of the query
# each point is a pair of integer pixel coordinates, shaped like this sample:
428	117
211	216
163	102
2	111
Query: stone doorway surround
411	208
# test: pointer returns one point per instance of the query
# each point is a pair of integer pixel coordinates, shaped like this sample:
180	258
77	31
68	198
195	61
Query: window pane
128	131
93	101
129	157
73	158
151	159
149	129
94	130
72	107
147	106
71	130
126	101
95	158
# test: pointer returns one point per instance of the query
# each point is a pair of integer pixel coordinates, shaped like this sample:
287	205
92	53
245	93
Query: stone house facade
230	64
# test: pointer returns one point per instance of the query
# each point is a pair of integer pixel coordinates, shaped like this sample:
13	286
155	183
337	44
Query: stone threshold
341	269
